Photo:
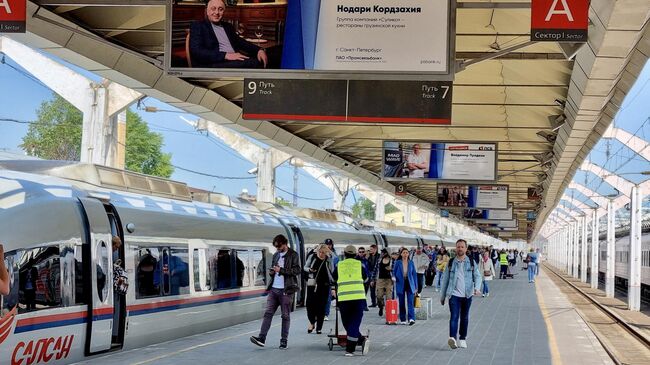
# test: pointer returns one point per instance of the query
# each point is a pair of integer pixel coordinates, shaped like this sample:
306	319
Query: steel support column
583	252
634	282
569	258
576	248
594	250
610	268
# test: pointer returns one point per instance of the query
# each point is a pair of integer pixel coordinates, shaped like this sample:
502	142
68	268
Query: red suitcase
391	311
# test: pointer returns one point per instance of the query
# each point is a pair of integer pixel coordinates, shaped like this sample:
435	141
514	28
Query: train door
99	263
119	301
300	248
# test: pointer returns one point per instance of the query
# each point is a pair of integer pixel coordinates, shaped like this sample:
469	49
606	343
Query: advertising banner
341	39
12	16
489	214
473	196
446	161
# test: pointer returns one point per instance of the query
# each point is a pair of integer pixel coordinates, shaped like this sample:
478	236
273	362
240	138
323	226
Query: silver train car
196	261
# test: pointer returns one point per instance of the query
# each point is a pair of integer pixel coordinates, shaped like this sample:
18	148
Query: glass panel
147	271
39	273
10	301
259	267
102	271
68	274
221	265
79	296
201	270
242	267
179	271
166	284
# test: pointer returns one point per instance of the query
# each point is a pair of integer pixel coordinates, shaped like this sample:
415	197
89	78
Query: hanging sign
13	15
473	196
559	21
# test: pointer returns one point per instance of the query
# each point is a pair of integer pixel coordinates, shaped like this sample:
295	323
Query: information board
489	214
353	101
559	21
13	15
473	196
439	160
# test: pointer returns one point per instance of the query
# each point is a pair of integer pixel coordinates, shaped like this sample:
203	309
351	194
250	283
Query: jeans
459	307
420	282
532	267
486	289
275	299
351	317
438	280
409	304
328	306
504	271
536	269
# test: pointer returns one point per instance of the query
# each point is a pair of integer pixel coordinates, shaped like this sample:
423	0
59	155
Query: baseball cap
350	249
328	241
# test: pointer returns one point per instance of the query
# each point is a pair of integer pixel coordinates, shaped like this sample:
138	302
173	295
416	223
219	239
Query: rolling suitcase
391	310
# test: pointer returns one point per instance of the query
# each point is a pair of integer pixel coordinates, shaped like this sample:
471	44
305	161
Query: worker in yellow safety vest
503	262
351	299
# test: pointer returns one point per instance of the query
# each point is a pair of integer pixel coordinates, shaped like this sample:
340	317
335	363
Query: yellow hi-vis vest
350	281
503	259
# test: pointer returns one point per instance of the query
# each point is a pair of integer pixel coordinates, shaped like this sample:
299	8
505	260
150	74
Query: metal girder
636	144
101	2
621	184
482	5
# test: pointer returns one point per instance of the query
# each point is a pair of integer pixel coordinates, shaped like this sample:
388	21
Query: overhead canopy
506	100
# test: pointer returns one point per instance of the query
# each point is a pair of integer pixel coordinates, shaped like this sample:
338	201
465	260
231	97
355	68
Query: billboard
559	21
445	161
473	196
489	214
12	16
328	39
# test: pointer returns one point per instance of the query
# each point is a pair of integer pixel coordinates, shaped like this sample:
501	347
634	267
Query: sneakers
452	343
258	341
283	345
483	295
402	322
326	319
411	322
349	354
366	347
462	344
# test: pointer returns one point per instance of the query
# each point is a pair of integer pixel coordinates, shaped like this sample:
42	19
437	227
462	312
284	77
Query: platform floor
511	326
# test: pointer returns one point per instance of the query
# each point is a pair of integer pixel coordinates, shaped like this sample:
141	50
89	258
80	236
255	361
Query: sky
21	95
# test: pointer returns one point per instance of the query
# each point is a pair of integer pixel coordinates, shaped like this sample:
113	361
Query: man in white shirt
417	163
421	261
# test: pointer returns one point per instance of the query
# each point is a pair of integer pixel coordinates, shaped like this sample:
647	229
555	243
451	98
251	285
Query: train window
179	271
39	278
79	296
645	258
10	301
102	271
202	277
147	271
222	269
242	268
259	267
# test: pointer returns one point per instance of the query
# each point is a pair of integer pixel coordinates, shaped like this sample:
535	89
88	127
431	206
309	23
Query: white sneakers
452	343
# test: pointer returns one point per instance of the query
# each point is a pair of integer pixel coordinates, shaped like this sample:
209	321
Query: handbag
417	303
312	278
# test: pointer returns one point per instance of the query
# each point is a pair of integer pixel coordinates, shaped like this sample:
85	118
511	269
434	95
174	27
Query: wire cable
214	176
301	197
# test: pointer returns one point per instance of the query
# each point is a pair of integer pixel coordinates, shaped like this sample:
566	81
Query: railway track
623	342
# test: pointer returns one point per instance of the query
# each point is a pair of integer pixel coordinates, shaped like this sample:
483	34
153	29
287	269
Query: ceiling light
550	137
559	102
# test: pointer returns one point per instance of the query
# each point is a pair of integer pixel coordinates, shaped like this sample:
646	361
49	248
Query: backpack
118	273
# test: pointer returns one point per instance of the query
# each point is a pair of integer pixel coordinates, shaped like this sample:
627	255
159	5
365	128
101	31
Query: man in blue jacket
460	281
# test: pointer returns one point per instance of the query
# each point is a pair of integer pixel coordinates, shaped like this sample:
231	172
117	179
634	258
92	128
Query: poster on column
439	160
473	196
311	39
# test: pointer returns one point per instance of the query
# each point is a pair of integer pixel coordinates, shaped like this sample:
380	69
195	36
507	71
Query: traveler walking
319	282
334	260
421	262
532	265
441	264
461	281
351	299
405	278
384	281
487	272
373	259
285	273
494	255
361	256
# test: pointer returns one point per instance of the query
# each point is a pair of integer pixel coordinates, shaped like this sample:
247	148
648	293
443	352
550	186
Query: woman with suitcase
384	284
405	286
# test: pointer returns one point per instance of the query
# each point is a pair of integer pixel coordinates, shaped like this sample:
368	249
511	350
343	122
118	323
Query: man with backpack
461	280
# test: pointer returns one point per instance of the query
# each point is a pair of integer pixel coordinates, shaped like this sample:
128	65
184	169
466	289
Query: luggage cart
341	338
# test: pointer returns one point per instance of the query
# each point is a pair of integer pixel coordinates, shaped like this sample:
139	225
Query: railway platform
518	323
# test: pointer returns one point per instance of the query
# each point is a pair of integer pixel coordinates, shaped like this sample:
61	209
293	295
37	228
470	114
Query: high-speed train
196	261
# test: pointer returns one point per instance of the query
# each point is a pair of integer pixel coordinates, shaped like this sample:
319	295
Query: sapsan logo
7	325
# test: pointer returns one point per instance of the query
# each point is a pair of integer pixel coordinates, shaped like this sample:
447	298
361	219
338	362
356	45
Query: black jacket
204	46
290	271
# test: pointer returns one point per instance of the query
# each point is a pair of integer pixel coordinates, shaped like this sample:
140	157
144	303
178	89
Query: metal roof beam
631	141
621	184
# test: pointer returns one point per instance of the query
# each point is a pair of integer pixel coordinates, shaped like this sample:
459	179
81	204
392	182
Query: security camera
252	171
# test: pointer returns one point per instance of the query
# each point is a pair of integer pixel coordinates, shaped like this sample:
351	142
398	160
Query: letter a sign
559	20
12	16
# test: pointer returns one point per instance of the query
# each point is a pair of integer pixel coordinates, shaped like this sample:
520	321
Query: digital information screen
327	39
